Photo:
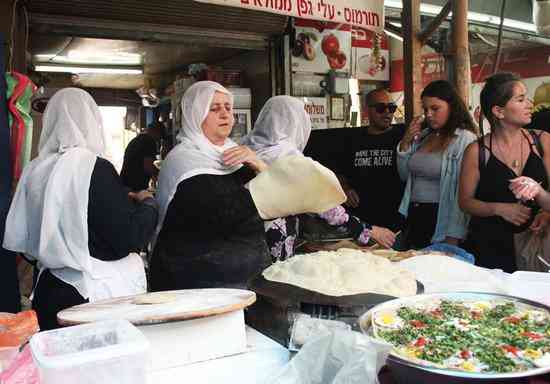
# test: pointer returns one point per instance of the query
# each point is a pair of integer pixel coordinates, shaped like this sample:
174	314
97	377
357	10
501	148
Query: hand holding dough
294	185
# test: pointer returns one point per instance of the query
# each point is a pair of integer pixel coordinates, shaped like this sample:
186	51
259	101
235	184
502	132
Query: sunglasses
382	107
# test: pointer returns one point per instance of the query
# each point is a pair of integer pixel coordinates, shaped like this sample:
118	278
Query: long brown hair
459	117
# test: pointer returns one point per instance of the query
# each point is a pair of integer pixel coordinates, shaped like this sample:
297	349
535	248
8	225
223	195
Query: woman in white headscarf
210	233
73	216
282	129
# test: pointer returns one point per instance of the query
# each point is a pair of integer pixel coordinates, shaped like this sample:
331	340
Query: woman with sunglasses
429	159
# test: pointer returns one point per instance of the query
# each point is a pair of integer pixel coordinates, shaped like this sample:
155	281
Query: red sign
362	13
367	63
321	46
433	68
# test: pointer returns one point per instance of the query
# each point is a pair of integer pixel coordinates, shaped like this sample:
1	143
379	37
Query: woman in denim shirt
429	160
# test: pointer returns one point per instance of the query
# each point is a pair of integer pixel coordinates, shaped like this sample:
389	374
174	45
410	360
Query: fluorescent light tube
89	69
433	10
394	35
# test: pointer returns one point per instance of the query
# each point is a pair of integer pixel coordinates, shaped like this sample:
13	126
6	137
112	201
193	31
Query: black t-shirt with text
133	172
370	167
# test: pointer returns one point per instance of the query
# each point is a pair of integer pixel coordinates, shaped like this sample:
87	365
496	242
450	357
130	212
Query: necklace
516	163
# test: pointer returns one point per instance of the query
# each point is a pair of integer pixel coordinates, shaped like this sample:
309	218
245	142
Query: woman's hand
524	188
243	155
514	213
411	134
140	196
541	222
383	236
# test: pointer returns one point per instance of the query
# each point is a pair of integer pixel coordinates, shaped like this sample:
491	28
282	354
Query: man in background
138	167
369	170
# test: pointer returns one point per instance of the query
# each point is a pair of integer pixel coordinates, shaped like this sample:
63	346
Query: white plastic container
105	352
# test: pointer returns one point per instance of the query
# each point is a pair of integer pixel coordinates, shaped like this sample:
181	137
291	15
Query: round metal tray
409	372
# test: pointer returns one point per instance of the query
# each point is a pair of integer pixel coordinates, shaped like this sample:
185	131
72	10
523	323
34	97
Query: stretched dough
344	272
294	185
155	298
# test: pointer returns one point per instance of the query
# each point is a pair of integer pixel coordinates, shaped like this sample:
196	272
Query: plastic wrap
305	328
21	370
339	357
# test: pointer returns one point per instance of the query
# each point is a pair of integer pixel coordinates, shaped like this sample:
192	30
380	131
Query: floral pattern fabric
281	237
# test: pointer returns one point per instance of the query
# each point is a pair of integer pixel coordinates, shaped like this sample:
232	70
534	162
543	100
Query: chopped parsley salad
472	336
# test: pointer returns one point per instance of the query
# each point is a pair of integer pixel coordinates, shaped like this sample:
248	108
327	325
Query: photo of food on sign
321	46
370	55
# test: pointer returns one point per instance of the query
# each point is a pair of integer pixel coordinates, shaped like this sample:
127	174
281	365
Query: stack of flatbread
344	272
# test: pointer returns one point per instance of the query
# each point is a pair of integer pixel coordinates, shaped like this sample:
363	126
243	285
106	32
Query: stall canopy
367	14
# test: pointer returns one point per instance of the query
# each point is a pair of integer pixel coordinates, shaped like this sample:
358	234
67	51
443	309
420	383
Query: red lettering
304	7
374	17
357	17
361	17
347	15
247	2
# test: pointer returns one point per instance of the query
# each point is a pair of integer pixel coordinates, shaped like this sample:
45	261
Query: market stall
334	287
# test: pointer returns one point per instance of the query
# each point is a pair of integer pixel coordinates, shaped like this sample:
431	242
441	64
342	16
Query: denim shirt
451	220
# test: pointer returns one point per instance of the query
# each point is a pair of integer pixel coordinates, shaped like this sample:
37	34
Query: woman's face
437	111
219	121
518	109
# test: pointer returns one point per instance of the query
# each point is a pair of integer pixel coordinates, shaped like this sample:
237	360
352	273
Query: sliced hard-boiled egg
532	354
470	366
461	324
479	306
389	320
543	361
411	352
536	316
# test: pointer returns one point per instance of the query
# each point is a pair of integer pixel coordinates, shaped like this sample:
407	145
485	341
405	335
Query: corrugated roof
172	12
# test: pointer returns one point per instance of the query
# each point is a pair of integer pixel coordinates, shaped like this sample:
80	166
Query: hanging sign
367	14
321	46
371	55
316	108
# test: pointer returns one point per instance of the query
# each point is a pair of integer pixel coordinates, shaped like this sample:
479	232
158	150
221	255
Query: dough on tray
155	298
344	272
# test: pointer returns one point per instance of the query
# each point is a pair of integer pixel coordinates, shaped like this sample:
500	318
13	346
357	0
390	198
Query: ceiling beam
435	22
162	33
412	57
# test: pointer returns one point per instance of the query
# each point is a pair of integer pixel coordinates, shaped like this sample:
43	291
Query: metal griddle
278	303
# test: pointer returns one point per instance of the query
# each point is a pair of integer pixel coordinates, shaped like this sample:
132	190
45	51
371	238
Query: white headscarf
282	129
48	217
195	154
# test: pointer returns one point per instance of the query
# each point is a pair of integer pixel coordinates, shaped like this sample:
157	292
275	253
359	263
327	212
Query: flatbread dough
344	272
294	185
155	298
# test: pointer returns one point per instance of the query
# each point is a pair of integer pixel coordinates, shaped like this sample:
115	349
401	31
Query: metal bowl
409	372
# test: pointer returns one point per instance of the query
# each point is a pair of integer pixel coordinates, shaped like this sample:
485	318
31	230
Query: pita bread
294	185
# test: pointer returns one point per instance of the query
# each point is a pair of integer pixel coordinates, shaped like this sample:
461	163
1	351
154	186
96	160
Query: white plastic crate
105	352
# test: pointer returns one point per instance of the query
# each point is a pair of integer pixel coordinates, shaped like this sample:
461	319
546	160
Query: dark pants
52	296
420	225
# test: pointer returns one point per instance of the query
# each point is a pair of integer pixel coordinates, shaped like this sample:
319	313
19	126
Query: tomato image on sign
331	48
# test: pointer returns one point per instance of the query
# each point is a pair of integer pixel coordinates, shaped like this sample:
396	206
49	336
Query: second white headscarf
282	129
